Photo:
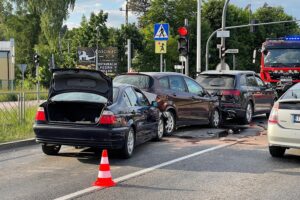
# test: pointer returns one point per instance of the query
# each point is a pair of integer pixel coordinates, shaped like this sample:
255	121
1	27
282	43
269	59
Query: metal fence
14	105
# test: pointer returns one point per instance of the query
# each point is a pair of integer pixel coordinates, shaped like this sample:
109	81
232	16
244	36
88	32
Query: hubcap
130	142
249	113
170	123
216	118
160	128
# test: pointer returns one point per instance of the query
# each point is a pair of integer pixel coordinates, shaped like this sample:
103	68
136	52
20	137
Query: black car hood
81	80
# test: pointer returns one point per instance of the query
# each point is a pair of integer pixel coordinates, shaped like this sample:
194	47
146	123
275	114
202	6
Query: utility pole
126	13
198	64
223	29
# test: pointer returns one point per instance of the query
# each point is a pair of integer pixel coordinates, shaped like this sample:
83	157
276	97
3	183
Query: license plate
286	79
296	118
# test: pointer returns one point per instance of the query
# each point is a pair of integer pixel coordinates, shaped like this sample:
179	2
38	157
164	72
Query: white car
284	123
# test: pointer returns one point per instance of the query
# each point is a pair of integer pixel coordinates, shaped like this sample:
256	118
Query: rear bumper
232	112
279	136
112	138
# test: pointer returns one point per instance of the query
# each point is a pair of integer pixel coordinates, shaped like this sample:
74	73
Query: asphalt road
241	170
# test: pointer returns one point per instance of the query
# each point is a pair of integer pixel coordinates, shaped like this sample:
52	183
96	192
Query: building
7	64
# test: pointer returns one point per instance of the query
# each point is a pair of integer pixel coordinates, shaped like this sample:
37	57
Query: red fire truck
280	62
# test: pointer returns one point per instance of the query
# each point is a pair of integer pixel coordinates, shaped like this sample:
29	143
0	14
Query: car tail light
273	119
107	118
40	114
231	92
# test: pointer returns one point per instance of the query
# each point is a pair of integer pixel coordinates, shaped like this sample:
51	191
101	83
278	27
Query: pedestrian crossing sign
161	47
161	31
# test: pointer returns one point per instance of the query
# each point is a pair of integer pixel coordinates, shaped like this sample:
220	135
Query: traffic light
36	58
223	52
183	41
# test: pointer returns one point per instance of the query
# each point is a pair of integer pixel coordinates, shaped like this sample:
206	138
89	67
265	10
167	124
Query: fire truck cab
280	62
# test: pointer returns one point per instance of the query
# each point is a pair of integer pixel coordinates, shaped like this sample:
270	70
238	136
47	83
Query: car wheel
50	149
170	123
277	152
215	119
160	129
247	119
128	148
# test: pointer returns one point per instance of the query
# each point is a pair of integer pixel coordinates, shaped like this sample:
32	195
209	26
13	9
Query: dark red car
182	100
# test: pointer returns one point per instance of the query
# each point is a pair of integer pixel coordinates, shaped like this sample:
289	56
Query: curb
16	144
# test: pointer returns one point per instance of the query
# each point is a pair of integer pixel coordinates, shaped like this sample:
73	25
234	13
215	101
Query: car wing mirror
154	104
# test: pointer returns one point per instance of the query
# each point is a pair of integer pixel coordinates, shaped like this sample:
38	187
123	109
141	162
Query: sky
117	17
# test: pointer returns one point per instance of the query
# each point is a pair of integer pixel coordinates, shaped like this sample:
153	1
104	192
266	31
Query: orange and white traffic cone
104	176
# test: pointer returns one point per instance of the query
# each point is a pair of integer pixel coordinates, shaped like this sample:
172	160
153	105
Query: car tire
215	120
50	150
247	119
170	123
276	151
129	144
160	129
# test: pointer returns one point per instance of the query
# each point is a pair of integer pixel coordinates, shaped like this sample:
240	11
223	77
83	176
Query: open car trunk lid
81	80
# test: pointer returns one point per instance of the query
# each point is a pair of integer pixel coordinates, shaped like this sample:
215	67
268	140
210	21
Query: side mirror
154	104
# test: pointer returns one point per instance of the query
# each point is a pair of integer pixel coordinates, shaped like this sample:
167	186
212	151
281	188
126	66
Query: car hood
81	80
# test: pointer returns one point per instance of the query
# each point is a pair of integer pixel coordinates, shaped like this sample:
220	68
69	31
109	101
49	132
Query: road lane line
144	171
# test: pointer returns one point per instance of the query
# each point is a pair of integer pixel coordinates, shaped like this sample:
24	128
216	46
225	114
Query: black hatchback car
243	94
84	109
182	100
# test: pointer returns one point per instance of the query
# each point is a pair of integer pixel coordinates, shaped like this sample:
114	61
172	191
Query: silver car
284	123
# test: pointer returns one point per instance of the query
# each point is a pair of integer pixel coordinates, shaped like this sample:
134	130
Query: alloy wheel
130	141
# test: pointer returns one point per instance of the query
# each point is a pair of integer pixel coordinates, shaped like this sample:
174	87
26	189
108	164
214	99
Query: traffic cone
104	176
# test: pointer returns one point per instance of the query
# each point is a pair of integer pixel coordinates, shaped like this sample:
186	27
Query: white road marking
144	171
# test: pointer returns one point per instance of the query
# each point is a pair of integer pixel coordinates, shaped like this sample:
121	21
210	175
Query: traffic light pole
187	69
235	27
129	55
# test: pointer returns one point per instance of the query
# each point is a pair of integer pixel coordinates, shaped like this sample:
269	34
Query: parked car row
86	108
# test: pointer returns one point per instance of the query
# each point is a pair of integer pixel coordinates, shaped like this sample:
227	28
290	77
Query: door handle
133	112
174	94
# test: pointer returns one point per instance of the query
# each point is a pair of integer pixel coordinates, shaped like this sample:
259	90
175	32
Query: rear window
216	81
115	94
140	81
291	94
79	96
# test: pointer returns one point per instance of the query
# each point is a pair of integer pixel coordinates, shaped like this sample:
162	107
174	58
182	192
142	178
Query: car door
200	102
178	93
150	115
137	115
267	95
255	93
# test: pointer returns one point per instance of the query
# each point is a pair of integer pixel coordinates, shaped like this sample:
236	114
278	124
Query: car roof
227	72
155	74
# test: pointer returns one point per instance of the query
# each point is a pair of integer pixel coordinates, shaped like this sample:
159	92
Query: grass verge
11	129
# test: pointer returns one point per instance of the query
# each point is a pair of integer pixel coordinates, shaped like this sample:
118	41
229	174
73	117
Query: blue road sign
161	31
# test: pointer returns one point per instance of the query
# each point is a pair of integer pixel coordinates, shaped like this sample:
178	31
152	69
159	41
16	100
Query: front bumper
279	136
111	138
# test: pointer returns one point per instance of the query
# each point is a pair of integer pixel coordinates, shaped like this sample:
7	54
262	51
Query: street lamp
198	64
223	29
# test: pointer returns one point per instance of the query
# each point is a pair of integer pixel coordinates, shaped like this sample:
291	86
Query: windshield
140	81
216	81
79	96
279	57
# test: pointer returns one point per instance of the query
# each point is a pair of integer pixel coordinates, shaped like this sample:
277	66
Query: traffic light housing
183	41
36	58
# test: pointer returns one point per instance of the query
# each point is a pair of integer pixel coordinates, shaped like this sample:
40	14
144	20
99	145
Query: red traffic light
183	31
